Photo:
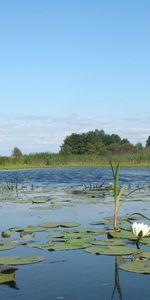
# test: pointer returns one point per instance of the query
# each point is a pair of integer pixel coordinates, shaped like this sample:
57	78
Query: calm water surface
70	275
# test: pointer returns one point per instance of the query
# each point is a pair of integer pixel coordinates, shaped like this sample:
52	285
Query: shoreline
73	165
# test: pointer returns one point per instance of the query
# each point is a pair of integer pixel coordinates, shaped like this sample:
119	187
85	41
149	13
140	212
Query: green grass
47	160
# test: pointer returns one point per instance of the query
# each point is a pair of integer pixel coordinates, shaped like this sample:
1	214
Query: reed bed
47	160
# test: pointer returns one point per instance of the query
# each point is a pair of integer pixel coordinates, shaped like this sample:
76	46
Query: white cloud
137	134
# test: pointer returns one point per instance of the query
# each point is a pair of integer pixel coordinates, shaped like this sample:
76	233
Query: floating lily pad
69	245
66	245
125	227
79	237
56	236
7	245
27	233
50	225
112	250
40	200
6	234
137	267
31	229
121	235
69	235
16	229
101	222
128	236
59	224
79	233
85	230
44	246
145	241
146	254
7	277
20	260
109	242
69	224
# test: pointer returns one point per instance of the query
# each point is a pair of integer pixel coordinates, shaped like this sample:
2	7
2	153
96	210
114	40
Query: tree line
97	142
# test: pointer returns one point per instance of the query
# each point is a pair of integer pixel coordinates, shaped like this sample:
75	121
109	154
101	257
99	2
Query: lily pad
101	222
72	245
20	260
112	250
52	246
145	241
7	277
59	224
44	246
56	236
31	229
121	235
69	224
146	254
40	200
6	234
85	230
137	267
50	225
16	229
26	234
69	235
109	242
7	245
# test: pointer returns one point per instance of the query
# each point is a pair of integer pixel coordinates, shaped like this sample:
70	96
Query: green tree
139	146
148	142
94	148
16	152
93	142
127	148
125	141
73	144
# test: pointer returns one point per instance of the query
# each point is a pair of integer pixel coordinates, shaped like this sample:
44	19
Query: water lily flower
140	230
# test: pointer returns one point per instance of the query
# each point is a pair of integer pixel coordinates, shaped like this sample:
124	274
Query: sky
70	66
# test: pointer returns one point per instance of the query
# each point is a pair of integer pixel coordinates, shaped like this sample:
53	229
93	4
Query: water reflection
117	287
12	284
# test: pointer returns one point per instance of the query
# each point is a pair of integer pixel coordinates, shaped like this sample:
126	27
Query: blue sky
73	66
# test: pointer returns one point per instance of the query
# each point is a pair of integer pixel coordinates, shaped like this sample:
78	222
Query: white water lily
140	230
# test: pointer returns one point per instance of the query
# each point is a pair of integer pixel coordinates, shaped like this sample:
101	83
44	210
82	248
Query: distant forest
97	142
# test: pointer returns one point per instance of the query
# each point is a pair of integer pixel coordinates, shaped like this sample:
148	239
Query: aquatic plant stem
115	219
118	191
137	245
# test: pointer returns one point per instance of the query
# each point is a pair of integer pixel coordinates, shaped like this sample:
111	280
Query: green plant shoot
118	191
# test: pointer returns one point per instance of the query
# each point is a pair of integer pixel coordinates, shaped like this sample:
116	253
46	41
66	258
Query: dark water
70	275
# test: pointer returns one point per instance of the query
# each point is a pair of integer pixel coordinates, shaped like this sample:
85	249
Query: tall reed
118	191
